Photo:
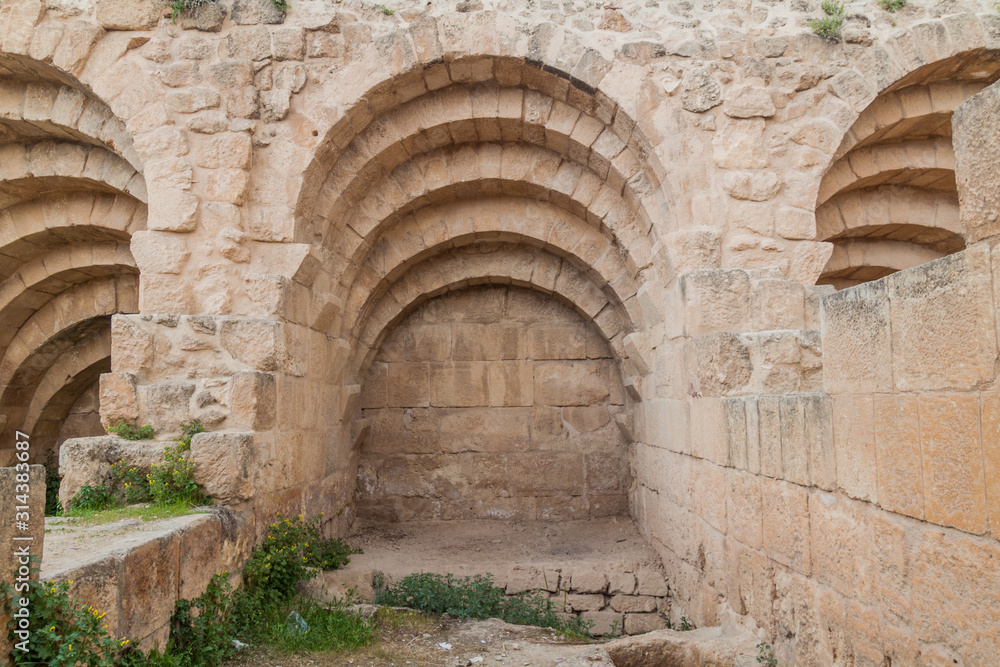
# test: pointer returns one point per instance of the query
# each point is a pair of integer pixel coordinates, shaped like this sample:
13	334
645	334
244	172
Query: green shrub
188	431
92	498
201	629
135	486
476	597
892	5
829	26
181	7
173	480
64	633
129	432
52	481
293	550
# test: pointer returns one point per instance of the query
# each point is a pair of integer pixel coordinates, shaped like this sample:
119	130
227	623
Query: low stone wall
616	598
138	579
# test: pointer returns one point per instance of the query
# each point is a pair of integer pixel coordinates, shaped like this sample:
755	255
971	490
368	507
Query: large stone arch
497	263
512	101
518	175
72	194
899	147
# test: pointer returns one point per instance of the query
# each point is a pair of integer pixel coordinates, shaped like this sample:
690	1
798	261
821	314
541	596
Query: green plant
129	432
684	625
829	26
188	431
201	629
293	550
143	512
388	11
173	480
891	5
476	597
64	633
616	629
91	498
52	480
766	655
135	487
329	628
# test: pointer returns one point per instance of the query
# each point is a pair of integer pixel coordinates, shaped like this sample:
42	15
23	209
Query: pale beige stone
952	461
854	443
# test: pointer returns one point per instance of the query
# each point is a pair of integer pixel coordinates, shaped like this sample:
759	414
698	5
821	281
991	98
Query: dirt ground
473	547
409	638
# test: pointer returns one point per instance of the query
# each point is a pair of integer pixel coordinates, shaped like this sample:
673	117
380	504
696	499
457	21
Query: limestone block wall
493	402
138	581
233	213
856	521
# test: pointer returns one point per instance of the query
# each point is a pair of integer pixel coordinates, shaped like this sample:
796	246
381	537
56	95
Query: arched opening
71	196
482	246
889	200
492	402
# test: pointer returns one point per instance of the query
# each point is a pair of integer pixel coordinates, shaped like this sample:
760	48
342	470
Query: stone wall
860	520
234	211
494	403
138	579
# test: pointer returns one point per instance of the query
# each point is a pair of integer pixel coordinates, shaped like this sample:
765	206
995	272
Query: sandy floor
417	642
468	547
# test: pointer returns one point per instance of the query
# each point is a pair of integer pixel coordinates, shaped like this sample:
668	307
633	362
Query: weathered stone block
89	460
252	401
199	550
637	623
256	343
150	576
634	603
128	14
952	461
786	525
226	465
580	602
561	383
459	384
977	150
854	444
119	399
589	580
897	444
604	622
409	385
650	582
857	354
943	331
716	300
990	415
484	429
511	383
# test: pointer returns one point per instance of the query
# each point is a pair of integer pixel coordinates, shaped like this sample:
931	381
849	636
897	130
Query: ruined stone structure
534	260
